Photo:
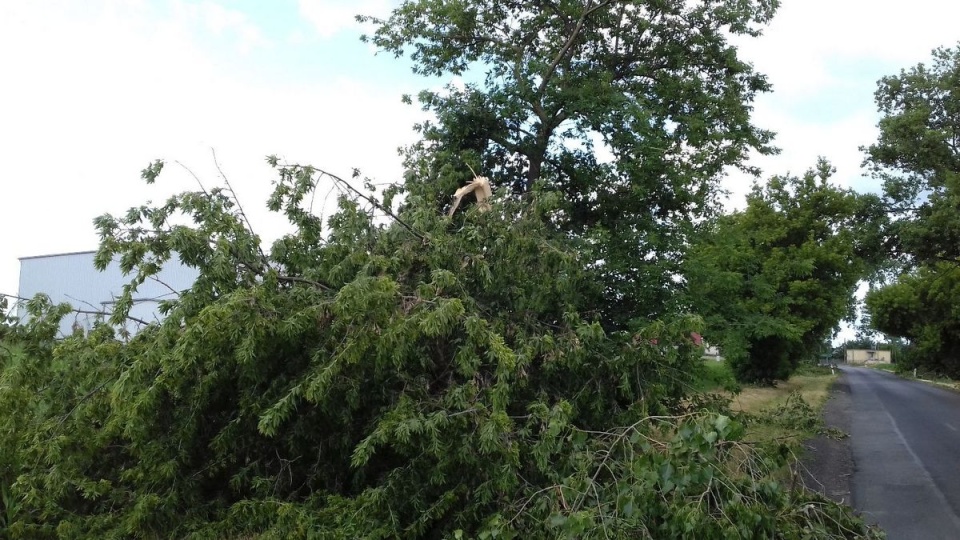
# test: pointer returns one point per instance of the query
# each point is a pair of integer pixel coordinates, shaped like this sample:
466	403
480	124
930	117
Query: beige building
867	356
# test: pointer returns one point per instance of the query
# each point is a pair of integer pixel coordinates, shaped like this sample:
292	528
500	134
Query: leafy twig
298	279
87	396
236	199
372	201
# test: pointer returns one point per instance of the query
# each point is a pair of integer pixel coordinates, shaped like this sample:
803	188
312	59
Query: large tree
917	155
630	111
774	280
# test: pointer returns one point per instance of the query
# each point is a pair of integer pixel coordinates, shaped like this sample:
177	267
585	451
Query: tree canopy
629	110
917	155
774	280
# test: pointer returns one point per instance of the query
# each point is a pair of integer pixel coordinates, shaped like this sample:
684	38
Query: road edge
827	464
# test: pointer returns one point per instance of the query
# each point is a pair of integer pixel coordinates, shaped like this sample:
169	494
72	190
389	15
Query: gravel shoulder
827	464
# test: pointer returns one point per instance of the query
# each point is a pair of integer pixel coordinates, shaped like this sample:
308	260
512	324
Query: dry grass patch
771	419
812	387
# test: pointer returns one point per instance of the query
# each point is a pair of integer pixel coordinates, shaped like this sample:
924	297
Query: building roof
57	255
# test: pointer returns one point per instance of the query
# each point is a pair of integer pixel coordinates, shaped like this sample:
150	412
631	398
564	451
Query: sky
91	91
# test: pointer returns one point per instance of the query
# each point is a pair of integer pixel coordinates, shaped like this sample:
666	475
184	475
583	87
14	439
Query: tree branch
236	199
195	177
108	314
87	396
79	311
588	10
372	201
158	280
297	279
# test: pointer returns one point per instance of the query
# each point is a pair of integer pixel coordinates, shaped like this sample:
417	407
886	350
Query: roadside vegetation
715	376
919	374
788	411
520	363
918	159
892	368
812	384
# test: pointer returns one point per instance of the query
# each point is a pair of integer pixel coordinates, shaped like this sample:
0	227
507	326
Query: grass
892	368
813	387
932	378
812	383
773	413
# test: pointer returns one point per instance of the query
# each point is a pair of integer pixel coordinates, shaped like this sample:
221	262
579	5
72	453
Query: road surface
905	441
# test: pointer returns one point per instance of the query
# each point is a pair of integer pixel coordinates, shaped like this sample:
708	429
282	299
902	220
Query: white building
73	278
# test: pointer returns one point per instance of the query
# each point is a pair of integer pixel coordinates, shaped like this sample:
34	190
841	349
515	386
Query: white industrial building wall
73	278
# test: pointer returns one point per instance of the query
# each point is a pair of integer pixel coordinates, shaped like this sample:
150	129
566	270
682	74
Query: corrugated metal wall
72	278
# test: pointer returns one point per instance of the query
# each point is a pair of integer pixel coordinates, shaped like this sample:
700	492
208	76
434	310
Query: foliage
918	157
774	280
396	373
374	381
630	111
922	306
796	413
7	319
716	375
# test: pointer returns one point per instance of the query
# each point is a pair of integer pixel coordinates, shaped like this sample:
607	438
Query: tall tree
774	280
917	155
630	111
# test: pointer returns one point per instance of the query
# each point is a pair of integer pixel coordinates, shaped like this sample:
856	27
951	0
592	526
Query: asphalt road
905	441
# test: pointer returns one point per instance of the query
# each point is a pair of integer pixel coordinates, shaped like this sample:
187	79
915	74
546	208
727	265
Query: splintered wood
480	187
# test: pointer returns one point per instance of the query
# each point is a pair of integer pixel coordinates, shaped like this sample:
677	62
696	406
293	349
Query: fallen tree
374	379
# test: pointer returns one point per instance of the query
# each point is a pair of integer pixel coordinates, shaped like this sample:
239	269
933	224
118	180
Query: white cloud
823	58
807	35
329	17
95	96
221	20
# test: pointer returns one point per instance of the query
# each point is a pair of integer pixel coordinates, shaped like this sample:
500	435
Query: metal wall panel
72	278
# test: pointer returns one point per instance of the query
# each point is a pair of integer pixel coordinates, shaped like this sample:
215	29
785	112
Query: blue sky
93	90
